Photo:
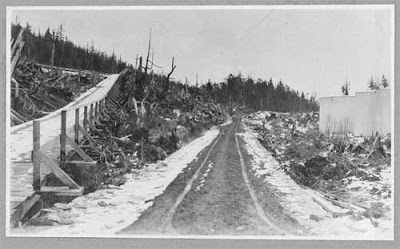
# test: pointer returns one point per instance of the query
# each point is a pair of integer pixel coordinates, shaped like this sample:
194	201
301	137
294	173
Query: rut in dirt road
214	195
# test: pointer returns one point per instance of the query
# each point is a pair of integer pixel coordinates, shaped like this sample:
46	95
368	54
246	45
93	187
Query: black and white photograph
210	122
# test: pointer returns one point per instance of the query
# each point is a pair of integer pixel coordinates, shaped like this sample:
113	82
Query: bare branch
153	64
148	55
172	68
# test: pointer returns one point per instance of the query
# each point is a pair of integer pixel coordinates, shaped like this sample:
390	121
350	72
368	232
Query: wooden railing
92	113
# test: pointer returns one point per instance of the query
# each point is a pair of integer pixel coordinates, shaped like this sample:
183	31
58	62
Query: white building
363	114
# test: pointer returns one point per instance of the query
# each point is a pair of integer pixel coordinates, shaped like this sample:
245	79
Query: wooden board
23	208
82	163
59	172
61	191
78	149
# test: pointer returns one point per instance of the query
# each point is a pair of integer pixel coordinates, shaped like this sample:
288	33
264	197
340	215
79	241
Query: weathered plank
23	208
87	135
62	191
82	163
63	142
78	149
85	118
76	127
58	172
36	155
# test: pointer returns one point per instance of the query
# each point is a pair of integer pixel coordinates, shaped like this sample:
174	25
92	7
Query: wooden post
101	106
85	119
91	114
96	111
77	125
63	142
36	155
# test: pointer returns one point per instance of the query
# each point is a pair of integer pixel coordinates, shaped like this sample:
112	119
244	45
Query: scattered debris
36	91
352	174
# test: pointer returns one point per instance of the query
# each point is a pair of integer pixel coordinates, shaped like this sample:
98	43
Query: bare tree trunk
172	69
52	55
148	55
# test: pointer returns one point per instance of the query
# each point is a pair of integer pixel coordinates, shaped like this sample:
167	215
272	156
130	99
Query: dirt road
217	194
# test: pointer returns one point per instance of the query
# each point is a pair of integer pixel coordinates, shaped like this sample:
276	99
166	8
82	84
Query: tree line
259	94
38	47
235	89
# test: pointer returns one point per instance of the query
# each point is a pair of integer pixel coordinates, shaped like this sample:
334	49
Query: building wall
362	114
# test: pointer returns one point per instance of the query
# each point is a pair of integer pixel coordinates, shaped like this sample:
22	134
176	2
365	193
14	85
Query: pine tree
372	85
384	82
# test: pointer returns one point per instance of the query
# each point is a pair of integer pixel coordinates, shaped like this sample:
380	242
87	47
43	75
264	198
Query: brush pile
345	166
136	133
36	90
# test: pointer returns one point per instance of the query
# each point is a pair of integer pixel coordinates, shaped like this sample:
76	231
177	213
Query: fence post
91	114
96	111
36	155
77	126
63	141
85	119
102	106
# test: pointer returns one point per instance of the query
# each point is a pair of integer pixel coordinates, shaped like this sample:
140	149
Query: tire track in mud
256	203
226	204
167	224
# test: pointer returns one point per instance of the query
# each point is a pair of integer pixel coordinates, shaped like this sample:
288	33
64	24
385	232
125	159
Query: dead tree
346	88
16	50
148	55
173	66
52	54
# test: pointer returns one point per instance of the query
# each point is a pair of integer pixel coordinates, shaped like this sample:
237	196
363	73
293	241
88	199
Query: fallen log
336	211
346	205
123	139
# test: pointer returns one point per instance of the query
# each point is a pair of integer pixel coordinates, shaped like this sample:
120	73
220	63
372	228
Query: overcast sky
311	50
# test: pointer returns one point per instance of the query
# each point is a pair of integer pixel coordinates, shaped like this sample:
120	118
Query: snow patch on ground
227	122
259	119
204	176
299	204
107	211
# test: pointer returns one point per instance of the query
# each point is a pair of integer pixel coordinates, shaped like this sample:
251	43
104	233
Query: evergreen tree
384	82
38	47
372	85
